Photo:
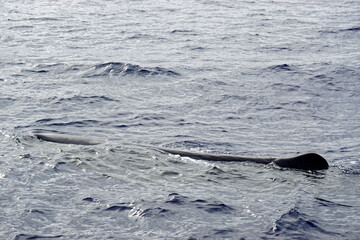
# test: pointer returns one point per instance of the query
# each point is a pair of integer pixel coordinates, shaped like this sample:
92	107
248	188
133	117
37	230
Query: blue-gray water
252	78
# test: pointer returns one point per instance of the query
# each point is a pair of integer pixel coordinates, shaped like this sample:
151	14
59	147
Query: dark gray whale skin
66	139
309	161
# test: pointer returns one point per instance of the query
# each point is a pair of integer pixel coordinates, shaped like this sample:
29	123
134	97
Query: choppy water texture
253	78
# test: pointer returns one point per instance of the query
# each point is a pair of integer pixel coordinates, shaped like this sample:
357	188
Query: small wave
21	27
58	167
33	237
118	68
59	122
149	117
176	199
296	225
286	87
170	173
177	31
217	208
6	101
139	36
83	123
231	98
45	19
327	203
215	171
281	67
210	207
90	199
34	71
116	125
151	212
85	99
181	31
352	29
45	120
214	207
120	207
36	211
344	30
122	126
188	144
225	231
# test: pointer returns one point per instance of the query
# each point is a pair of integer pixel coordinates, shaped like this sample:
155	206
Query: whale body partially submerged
309	161
66	139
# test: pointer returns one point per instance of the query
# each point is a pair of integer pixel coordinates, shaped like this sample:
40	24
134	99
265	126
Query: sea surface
255	78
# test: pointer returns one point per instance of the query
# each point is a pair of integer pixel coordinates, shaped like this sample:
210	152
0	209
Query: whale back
66	139
309	161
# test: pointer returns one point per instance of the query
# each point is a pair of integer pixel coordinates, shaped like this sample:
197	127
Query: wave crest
119	68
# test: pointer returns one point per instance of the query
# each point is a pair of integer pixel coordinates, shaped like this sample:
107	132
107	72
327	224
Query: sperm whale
308	161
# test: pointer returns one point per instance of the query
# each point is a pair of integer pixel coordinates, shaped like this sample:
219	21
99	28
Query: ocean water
252	78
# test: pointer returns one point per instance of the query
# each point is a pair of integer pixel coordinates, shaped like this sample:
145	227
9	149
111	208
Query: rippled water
252	78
